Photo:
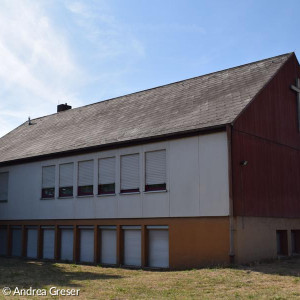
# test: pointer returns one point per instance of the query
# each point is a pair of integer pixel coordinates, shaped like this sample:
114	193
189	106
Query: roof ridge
167	84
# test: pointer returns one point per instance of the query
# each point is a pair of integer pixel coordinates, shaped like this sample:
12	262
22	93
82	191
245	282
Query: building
201	171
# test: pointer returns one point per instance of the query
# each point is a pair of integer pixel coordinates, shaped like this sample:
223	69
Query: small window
106	184
4	186
48	182
295	241
66	180
130	175
155	170
282	242
85	178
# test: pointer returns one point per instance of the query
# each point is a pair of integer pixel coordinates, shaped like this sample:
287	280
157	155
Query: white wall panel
86	245
108	246
213	166
32	243
48	243
66	251
184	172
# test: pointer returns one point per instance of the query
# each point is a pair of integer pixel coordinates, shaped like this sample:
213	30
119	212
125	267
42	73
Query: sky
85	51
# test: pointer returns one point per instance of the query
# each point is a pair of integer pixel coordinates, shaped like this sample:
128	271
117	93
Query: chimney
63	107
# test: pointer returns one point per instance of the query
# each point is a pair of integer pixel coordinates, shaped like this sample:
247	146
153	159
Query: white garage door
132	245
16	242
3	241
48	242
32	242
108	245
86	244
158	241
66	250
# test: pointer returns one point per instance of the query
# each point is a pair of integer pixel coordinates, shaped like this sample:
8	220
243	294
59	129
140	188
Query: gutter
231	217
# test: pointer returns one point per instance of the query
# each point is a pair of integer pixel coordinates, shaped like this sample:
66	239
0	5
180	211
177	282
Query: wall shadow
289	266
38	274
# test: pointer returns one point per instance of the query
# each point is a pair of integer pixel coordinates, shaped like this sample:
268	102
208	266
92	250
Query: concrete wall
255	237
197	185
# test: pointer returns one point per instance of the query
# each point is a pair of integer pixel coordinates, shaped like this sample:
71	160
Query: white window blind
156	167
107	170
85	173
3	186
49	177
130	172
66	175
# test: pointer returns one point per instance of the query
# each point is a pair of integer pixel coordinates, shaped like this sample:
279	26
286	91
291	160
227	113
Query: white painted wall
197	185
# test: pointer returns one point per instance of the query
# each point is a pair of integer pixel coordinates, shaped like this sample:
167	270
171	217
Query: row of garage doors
158	244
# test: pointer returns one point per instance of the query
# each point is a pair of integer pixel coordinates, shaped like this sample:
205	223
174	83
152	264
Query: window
282	242
48	182
295	235
85	178
155	170
4	186
106	184
130	180
66	180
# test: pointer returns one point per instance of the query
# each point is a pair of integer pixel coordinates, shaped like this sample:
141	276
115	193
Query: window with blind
130	175
85	178
4	186
155	170
48	182
66	180
106	175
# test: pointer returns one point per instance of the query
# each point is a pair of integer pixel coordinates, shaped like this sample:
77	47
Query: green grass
274	280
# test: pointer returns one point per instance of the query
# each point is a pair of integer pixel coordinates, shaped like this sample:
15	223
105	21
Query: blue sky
83	52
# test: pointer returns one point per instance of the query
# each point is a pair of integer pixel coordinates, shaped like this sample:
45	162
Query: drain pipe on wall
231	218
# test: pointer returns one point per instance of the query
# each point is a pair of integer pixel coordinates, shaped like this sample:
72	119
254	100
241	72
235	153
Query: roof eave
145	140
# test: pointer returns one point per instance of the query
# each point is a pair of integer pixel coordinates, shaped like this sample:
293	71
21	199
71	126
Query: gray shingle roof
201	102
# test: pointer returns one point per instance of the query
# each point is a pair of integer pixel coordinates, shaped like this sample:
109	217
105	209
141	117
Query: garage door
48	242
32	242
108	251
16	241
158	241
132	245
86	243
66	250
3	241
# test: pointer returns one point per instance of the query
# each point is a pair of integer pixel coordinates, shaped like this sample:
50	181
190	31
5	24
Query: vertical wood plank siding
266	135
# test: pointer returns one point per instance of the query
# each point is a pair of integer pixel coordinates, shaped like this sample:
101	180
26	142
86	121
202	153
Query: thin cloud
36	62
56	51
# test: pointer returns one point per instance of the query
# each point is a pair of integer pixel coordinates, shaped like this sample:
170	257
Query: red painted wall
266	135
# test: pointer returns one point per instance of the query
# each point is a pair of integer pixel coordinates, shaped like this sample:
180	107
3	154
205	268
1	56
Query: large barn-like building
197	172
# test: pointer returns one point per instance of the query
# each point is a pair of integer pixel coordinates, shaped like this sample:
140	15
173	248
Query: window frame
99	193
60	195
161	187
80	188
130	191
43	195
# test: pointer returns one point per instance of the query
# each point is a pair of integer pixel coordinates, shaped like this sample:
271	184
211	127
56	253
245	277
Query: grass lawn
276	280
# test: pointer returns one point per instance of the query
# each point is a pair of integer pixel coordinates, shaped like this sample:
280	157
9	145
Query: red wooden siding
266	135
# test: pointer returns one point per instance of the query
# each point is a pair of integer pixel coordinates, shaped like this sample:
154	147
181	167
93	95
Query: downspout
231	218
